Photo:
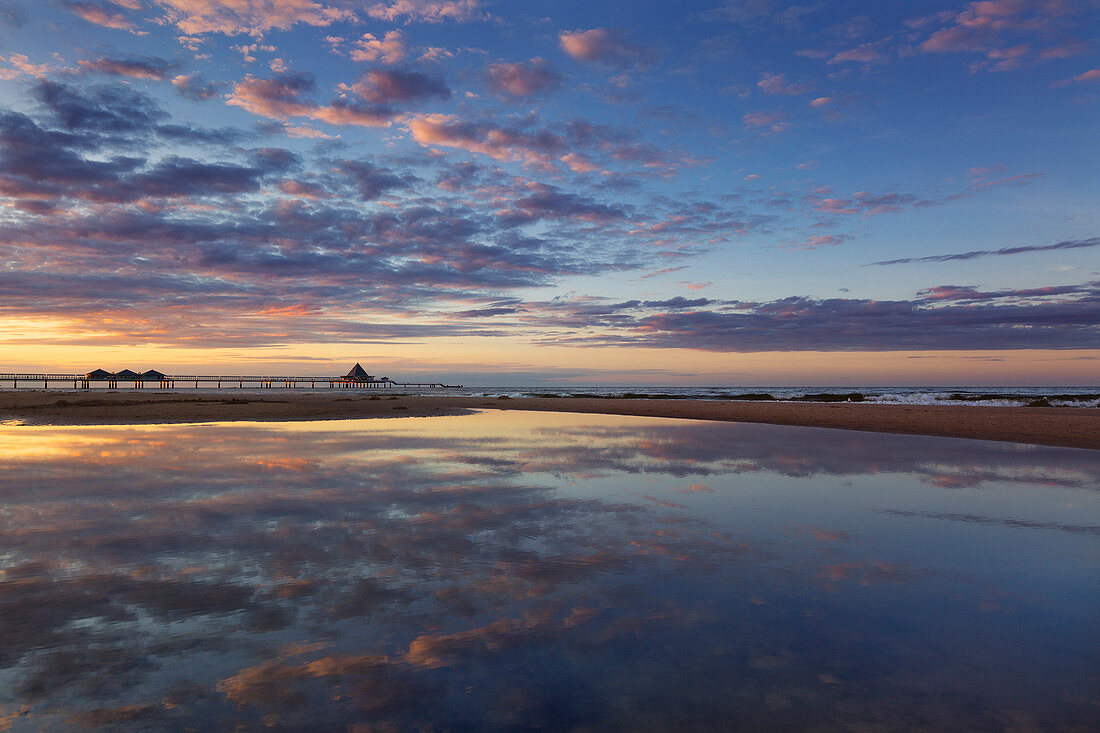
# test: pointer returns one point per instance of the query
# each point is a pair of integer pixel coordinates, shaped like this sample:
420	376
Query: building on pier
358	374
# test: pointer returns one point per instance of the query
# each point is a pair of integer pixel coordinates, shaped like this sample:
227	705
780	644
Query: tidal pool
510	570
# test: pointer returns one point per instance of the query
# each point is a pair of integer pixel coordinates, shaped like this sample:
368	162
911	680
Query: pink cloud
522	79
824	240
301	189
1064	50
278	97
773	121
1083	78
579	163
985	27
1008	58
867	53
427	11
822	102
602	45
281	97
836	206
499	143
233	17
778	84
104	14
305	131
339	113
21	66
389	49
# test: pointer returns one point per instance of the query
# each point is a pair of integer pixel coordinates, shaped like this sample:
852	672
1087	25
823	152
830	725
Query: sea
914	395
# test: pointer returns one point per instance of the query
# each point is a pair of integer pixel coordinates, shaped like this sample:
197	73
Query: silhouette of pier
357	378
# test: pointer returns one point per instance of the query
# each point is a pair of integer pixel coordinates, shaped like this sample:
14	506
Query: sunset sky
740	192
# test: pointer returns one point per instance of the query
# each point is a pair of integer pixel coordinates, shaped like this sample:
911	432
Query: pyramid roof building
99	374
127	374
357	374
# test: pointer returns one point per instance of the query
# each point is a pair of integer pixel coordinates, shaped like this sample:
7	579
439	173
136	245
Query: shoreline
1072	427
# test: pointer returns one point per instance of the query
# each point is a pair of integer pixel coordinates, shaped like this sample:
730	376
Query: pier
357	378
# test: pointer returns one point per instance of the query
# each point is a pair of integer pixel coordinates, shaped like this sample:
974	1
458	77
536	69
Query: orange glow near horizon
513	361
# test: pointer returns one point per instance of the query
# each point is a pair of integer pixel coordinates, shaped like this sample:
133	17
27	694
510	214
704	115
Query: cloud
974	254
176	177
370	180
500	143
21	66
770	121
522	79
1085	77
542	202
1004	320
428	11
12	15
97	208
777	84
234	17
106	14
824	240
867	53
282	96
110	111
194	87
972	294
864	202
606	46
759	13
390	49
137	67
1004	31
386	86
278	97
573	144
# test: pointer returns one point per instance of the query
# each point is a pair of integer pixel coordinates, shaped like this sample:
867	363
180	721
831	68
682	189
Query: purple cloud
522	78
973	254
137	67
386	86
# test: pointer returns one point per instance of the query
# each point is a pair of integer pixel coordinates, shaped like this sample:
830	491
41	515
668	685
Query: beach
1053	426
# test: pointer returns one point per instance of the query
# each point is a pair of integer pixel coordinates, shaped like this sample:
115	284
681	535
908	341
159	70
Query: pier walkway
173	381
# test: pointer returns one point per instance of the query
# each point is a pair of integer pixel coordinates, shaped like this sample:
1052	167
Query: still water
568	572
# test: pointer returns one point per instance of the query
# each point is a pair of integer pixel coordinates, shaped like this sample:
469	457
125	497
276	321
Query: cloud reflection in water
502	569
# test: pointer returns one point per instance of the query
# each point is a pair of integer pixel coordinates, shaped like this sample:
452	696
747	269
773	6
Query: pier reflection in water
563	571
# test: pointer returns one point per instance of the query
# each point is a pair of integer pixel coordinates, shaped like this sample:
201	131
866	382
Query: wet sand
1059	426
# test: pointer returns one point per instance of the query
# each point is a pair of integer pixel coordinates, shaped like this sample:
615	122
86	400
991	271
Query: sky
747	192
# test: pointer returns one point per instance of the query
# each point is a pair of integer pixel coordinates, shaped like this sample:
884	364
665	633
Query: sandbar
1073	427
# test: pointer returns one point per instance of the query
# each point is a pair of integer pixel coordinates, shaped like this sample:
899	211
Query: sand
1074	427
